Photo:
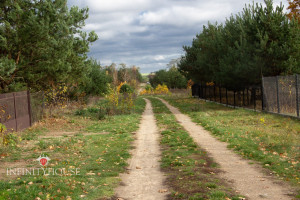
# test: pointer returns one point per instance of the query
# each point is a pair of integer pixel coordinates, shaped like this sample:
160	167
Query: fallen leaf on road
163	191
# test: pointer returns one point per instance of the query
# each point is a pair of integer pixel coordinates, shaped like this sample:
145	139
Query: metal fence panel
17	111
195	90
22	110
8	105
281	94
287	94
270	94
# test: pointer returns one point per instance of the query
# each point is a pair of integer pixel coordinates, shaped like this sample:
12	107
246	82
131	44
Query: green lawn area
272	140
269	139
99	157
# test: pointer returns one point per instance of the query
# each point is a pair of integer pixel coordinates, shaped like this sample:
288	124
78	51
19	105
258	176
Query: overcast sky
150	33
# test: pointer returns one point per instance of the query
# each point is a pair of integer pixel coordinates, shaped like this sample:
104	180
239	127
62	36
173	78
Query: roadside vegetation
172	78
269	139
45	50
191	173
261	40
75	139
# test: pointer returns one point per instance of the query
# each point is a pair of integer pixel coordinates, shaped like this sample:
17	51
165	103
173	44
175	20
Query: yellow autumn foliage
190	83
160	89
119	102
57	96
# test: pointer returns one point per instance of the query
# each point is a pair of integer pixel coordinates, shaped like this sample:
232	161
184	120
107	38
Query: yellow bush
57	96
118	101
119	86
190	83
143	92
210	84
160	89
113	96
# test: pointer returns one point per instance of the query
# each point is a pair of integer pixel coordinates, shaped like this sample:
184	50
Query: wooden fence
17	109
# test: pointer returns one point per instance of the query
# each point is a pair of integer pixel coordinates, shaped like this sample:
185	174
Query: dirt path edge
144	179
247	179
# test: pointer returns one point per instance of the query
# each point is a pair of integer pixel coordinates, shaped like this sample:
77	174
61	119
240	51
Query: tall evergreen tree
42	43
260	41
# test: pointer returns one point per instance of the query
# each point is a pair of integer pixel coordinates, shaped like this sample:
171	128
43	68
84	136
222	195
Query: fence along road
277	94
281	94
17	109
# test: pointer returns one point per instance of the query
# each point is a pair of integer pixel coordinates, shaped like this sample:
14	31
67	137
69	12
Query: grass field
269	139
191	174
99	150
99	157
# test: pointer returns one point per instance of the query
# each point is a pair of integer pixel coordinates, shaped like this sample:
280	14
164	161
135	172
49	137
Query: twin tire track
145	180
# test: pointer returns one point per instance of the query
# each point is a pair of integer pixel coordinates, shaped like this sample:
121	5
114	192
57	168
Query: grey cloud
150	33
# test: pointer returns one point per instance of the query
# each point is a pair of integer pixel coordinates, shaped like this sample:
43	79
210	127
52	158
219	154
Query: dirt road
245	178
144	180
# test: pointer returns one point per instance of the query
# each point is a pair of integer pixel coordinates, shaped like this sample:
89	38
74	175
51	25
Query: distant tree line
130	75
172	78
259	41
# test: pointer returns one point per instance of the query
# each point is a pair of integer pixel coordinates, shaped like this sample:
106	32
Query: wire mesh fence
279	94
249	98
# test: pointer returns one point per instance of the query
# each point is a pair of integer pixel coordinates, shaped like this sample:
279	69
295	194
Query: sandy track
246	179
144	180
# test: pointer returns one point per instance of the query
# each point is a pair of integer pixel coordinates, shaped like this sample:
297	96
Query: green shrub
80	112
102	113
93	110
148	88
126	89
